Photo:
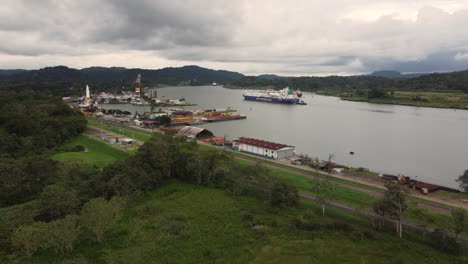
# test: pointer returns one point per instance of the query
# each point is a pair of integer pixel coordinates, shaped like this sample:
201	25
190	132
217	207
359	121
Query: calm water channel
425	143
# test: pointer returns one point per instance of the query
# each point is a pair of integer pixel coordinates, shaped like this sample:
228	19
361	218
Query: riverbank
363	181
455	100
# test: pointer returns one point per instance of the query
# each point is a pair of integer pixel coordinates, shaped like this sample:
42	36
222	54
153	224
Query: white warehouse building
263	148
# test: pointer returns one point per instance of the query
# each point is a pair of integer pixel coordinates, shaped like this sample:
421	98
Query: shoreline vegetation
450	100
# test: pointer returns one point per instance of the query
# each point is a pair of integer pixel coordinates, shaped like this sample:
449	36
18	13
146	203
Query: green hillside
184	223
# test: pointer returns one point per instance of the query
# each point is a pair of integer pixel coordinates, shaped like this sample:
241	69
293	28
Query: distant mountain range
118	78
170	76
270	76
396	74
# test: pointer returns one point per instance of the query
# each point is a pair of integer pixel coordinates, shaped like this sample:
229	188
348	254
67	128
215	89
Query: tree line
455	81
31	122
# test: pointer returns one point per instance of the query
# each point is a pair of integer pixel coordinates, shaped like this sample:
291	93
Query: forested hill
454	81
191	75
117	77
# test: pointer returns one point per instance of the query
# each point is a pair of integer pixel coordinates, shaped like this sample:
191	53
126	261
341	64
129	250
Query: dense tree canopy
456	81
32	122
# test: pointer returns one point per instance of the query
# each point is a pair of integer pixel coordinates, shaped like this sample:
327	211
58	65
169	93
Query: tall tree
395	204
58	201
463	181
324	191
380	209
30	238
63	233
99	216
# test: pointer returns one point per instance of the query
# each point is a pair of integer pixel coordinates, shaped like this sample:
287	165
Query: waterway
427	144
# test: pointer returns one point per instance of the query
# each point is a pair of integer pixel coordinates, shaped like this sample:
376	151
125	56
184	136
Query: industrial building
263	148
195	132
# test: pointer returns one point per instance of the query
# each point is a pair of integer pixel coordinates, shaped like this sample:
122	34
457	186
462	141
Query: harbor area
169	117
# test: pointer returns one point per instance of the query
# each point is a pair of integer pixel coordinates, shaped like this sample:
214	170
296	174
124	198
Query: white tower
88	95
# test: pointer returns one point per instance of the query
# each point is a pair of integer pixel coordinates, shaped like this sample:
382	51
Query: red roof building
264	148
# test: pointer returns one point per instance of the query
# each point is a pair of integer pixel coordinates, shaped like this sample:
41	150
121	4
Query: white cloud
461	56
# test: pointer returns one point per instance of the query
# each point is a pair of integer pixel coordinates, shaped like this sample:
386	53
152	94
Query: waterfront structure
195	132
263	148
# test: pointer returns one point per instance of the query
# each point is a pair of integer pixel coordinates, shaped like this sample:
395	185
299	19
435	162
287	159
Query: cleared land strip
372	216
374	192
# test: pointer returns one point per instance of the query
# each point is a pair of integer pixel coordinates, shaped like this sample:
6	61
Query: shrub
149	210
173	228
77	148
440	240
284	195
247	217
262	230
361	235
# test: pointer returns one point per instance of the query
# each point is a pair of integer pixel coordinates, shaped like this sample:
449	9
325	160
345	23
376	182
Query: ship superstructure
284	96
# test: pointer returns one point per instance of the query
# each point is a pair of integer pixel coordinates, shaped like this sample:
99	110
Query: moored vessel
283	96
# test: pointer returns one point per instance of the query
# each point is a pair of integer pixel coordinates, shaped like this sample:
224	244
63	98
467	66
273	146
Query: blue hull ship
284	96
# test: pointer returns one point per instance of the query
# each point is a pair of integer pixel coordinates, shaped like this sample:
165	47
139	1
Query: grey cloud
301	36
435	62
162	24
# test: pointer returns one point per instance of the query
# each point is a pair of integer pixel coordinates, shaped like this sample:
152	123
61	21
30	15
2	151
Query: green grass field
364	201
99	153
183	223
341	194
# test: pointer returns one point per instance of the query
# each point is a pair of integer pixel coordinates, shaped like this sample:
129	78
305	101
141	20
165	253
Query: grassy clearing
342	194
120	130
98	152
364	201
251	157
413	198
182	223
456	100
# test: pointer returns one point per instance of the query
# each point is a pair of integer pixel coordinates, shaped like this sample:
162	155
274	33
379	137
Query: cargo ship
284	96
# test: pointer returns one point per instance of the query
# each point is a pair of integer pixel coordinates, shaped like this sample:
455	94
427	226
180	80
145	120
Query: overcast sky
310	37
